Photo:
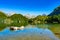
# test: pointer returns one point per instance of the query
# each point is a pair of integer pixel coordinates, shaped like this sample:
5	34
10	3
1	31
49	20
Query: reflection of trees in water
44	26
55	28
2	26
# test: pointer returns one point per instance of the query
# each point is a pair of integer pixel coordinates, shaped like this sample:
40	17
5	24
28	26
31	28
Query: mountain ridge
56	11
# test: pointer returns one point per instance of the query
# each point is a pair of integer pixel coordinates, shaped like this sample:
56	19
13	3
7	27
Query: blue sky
33	7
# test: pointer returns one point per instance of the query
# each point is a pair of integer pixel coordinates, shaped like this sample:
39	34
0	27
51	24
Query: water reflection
29	33
2	27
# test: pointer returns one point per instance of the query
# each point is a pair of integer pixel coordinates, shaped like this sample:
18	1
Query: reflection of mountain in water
27	34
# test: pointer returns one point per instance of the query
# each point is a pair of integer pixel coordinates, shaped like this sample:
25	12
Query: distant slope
18	17
56	11
2	15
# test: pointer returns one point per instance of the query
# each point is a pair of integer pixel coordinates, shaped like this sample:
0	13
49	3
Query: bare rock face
16	28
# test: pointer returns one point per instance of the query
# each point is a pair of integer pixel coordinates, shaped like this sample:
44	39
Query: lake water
30	32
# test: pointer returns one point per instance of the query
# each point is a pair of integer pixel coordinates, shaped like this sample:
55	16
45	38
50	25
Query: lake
32	32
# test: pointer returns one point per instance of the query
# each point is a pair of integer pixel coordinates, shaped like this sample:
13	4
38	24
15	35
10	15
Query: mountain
18	17
9	14
2	15
56	11
29	16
